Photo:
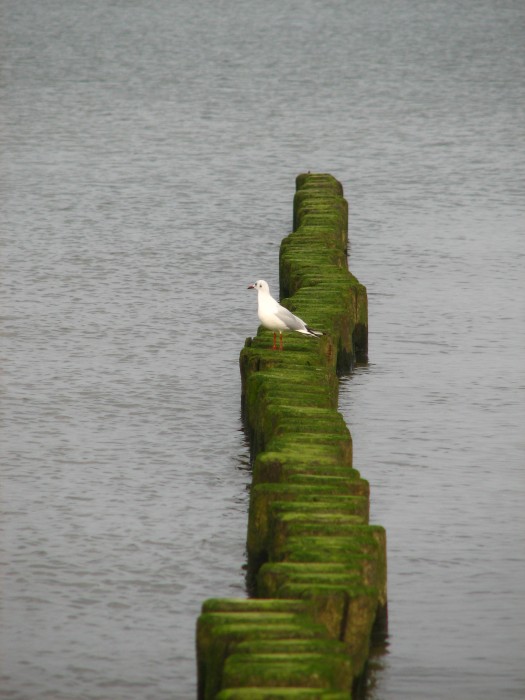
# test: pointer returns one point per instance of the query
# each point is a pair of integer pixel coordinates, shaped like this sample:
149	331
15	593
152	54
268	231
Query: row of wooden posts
316	567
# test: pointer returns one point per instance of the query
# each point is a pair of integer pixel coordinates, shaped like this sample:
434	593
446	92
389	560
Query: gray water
148	157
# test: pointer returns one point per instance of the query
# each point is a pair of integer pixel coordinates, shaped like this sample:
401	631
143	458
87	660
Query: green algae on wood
282	694
272	576
293	669
261	646
309	541
252	605
348	613
219	633
276	466
269	501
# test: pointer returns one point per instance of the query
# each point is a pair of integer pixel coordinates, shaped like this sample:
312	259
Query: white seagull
275	317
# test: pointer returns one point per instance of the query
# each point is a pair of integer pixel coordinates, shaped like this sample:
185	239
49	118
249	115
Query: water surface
148	155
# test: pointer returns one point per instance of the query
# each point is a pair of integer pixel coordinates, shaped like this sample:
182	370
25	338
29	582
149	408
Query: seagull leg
274	339
281	340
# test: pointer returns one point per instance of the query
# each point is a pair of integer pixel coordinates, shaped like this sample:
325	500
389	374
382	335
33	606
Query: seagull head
260	286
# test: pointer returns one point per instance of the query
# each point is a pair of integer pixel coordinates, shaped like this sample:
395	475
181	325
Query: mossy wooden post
317	567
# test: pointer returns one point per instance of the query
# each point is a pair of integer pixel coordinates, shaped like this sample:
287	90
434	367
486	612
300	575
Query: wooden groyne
317	568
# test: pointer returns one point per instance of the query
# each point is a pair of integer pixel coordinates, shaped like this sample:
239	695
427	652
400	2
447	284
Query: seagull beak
250	286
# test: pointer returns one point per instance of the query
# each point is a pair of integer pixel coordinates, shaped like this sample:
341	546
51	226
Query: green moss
289	395
276	416
346	551
269	503
282	694
318	379
315	202
319	181
308	499
252	605
301	353
289	524
330	671
265	646
314	255
276	466
351	483
219	633
273	576
348	613
303	537
316	449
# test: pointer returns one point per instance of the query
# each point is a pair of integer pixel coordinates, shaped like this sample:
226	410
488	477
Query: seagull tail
311	331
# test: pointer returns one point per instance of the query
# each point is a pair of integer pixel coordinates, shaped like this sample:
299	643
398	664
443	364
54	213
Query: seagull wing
293	323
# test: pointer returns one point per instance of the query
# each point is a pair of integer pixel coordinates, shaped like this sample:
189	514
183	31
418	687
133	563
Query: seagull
275	317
